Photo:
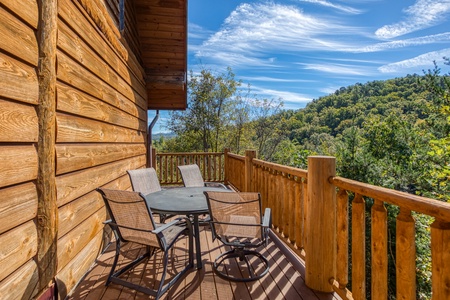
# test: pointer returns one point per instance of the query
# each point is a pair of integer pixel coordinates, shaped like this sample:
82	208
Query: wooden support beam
47	214
321	224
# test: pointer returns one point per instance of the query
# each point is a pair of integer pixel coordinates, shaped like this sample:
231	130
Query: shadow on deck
285	279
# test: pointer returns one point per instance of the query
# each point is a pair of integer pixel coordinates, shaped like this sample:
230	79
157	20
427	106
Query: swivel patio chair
132	221
192	177
146	181
237	221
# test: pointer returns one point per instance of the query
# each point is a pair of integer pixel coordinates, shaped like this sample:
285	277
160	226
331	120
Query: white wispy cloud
342	69
343	8
423	14
421	61
423	40
253	31
272	79
285	96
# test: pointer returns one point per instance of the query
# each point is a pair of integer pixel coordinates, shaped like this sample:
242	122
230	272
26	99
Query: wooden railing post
153	158
440	259
249	156
321	224
225	165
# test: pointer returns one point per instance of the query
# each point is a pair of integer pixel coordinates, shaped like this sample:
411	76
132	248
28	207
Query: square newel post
321	224
226	166
248	175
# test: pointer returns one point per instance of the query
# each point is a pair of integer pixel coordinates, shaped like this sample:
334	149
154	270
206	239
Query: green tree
210	99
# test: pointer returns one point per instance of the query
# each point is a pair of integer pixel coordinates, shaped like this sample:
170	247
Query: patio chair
132	221
146	181
237	221
192	177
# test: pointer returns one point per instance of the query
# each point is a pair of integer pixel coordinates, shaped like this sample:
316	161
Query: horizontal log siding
19	93
101	130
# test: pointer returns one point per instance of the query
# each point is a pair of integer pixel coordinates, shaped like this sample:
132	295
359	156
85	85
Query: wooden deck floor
284	281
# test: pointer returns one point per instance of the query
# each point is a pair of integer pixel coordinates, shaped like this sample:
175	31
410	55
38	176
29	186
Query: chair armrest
216	184
167	225
267	220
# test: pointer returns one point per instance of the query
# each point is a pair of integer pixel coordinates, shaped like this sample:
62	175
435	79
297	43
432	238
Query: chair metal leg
242	255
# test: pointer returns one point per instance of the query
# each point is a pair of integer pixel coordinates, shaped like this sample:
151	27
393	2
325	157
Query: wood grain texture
78	103
19	80
27	10
72	16
358	248
405	261
73	185
47	211
342	235
18	38
13	156
18	205
379	244
73	157
440	258
19	122
82	130
22	284
18	246
321	224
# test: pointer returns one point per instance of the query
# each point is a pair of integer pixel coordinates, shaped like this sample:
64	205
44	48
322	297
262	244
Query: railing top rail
235	156
431	207
188	153
281	168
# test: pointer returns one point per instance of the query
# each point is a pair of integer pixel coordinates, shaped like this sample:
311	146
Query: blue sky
300	50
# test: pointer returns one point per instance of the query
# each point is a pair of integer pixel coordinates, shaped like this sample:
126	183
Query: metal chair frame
240	247
164	246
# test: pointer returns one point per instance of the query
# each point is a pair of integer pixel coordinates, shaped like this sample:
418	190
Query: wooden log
440	259
47	213
71	15
405	249
18	38
118	110
18	246
73	185
13	156
358	248
74	157
342	239
19	122
68	277
379	257
21	79
321	224
27	10
18	205
81	130
22	284
77	239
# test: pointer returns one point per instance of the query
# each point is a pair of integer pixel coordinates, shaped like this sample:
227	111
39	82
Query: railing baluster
379	251
290	214
342	239
440	260
406	255
358	248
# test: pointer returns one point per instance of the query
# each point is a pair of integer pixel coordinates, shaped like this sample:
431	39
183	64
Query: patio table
183	201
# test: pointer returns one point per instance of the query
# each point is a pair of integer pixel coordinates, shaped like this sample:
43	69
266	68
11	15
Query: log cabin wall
100	123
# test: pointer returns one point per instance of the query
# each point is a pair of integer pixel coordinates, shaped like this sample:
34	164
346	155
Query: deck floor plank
284	281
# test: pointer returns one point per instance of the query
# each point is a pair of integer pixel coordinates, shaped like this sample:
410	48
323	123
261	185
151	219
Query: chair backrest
191	175
144	181
130	212
235	214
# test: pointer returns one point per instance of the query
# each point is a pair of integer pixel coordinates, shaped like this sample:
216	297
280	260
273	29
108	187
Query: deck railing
211	165
312	212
